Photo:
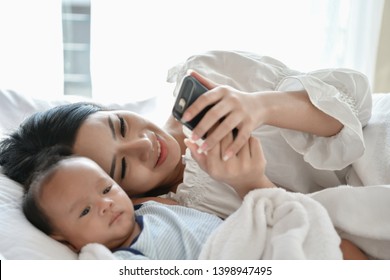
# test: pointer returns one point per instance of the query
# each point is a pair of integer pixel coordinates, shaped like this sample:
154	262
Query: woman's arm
294	110
157	199
342	94
351	251
289	109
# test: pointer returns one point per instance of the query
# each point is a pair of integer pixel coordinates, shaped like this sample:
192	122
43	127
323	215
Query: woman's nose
139	148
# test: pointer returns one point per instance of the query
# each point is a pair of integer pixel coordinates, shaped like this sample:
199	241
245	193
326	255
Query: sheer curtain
352	34
134	43
31	53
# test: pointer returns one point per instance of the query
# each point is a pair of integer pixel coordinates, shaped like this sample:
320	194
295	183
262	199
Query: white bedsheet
361	215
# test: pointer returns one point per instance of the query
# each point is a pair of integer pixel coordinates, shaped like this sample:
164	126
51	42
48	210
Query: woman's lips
162	151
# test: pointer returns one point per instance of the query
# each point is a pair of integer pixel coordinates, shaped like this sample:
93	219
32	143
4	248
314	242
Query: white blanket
275	224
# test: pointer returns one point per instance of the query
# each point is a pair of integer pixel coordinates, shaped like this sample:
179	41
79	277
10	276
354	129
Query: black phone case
189	91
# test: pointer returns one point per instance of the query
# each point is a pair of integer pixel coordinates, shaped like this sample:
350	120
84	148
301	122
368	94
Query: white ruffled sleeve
343	94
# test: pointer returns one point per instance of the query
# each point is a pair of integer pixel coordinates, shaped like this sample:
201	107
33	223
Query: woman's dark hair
56	126
47	161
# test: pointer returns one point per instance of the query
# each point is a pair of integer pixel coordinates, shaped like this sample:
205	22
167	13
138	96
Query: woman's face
136	153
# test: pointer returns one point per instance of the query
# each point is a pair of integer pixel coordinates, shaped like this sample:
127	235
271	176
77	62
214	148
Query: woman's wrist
266	183
262	183
265	107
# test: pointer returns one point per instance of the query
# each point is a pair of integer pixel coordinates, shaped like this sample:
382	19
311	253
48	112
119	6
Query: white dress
296	161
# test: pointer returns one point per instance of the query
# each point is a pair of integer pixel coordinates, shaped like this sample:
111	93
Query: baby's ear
62	240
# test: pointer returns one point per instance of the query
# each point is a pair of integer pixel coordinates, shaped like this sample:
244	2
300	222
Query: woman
296	115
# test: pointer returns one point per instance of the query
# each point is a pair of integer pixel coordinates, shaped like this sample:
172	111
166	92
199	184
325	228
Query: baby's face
86	206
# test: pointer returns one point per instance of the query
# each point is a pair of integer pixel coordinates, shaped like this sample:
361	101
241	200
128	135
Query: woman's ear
60	238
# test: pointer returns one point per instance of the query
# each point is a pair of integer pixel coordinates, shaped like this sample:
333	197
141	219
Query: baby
75	202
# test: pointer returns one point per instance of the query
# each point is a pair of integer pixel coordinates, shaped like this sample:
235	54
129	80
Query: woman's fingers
243	134
255	148
225	142
212	117
200	158
209	98
200	103
231	124
202	79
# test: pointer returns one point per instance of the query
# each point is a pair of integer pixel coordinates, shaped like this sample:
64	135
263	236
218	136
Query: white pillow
373	167
15	107
18	238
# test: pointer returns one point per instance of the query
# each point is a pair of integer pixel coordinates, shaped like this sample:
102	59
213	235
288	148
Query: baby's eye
106	190
85	211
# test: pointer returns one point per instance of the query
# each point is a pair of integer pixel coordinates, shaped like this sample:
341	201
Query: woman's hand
244	171
232	109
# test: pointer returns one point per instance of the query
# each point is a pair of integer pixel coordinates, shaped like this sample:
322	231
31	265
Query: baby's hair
49	160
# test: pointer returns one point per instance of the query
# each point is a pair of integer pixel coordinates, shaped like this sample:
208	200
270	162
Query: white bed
313	217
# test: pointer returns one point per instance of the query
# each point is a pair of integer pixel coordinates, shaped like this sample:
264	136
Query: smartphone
189	91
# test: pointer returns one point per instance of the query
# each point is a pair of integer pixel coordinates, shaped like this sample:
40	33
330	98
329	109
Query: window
76	41
123	49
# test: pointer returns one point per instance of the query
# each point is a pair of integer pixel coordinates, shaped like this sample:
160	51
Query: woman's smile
162	151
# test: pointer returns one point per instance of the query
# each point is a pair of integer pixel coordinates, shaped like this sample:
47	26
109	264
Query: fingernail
202	149
186	117
194	137
227	156
204	146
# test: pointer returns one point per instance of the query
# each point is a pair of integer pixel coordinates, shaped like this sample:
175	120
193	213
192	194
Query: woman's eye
122	126
123	169
106	190
85	211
